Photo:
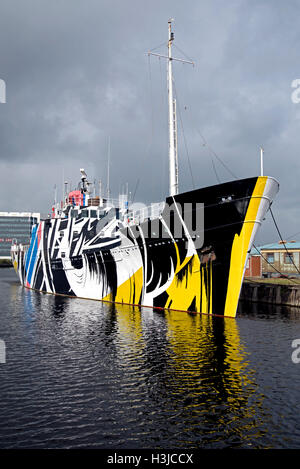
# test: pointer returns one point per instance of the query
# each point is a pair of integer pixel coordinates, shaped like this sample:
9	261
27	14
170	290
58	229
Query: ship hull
198	267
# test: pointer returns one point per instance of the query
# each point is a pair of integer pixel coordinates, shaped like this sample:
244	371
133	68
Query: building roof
255	251
279	246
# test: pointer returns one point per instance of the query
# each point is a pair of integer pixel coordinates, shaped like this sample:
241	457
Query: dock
277	291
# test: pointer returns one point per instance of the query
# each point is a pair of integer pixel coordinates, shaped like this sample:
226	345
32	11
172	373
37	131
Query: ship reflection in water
86	374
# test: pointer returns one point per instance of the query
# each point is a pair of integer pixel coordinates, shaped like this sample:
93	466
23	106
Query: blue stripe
32	260
28	254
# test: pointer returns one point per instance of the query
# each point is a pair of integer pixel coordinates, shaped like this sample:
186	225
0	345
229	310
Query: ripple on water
85	374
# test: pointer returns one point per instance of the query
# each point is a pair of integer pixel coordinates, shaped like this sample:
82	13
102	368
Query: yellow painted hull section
129	292
240	248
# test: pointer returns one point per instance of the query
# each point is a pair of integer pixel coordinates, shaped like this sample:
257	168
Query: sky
78	75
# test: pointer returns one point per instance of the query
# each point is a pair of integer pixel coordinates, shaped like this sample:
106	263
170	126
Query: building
15	226
254	264
283	257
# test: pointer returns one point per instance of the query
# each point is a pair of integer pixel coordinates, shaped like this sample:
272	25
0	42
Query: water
82	374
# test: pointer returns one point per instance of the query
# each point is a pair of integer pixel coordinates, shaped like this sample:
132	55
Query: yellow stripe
181	293
240	247
130	290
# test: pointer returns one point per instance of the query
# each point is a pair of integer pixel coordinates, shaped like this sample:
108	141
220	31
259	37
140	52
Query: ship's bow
260	200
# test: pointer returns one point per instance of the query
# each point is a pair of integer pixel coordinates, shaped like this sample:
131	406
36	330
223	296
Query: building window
288	258
270	257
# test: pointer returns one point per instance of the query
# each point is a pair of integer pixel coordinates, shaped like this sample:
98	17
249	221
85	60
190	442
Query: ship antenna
173	155
66	191
55	194
108	161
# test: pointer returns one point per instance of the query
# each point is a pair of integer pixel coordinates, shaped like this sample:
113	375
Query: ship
187	253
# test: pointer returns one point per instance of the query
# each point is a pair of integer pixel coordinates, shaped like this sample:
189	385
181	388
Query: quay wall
271	293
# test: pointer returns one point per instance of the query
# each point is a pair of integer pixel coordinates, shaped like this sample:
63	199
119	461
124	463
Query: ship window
93	213
288	258
63	254
270	257
85	213
74	213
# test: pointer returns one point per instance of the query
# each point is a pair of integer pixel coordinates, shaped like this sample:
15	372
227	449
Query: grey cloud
77	73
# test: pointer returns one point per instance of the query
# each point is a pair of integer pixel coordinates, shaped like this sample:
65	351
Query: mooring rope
282	241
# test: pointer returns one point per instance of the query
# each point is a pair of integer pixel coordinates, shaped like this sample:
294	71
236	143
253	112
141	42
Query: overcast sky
77	73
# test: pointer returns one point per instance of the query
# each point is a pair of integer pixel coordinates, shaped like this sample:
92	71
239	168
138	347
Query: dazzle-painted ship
187	253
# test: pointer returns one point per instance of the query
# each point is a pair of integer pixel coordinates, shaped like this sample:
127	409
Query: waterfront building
15	227
282	258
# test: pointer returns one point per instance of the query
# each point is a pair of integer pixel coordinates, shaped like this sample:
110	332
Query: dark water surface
82	374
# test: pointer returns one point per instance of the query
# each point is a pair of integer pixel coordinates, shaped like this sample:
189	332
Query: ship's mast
173	157
108	163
